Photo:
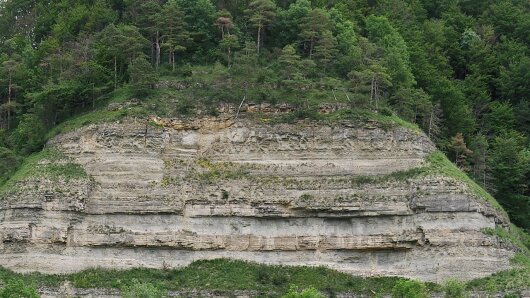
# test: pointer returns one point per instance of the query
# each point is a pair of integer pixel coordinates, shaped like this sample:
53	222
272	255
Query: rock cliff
170	192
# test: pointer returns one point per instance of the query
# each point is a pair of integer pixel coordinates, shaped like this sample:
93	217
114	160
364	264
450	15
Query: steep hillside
363	198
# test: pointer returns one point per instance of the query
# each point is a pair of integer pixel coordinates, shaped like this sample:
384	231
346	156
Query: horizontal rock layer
293	194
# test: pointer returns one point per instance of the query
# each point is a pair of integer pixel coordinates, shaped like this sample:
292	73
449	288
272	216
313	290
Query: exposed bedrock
293	194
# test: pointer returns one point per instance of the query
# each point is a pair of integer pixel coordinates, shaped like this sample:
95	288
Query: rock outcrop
164	195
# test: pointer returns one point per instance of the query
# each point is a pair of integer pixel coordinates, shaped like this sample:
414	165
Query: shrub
8	163
307	293
18	289
142	290
409	289
455	289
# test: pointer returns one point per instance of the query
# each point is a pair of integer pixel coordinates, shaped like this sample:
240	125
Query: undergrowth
50	164
222	275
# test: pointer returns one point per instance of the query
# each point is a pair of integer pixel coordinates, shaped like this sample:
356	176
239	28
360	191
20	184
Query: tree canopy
460	70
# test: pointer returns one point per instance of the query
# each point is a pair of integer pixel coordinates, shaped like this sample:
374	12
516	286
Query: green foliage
142	290
29	134
439	164
9	162
18	289
455	289
409	289
142	76
221	275
50	164
397	59
307	293
451	67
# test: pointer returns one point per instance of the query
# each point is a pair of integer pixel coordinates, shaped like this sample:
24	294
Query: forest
458	69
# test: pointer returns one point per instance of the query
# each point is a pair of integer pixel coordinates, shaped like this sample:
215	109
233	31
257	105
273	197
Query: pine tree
175	35
325	50
260	14
289	62
228	41
142	76
458	145
9	68
314	27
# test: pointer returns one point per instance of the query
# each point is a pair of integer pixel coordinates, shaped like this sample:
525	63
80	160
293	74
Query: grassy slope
231	275
48	163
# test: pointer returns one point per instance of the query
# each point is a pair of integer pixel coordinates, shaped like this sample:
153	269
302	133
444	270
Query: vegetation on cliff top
457	69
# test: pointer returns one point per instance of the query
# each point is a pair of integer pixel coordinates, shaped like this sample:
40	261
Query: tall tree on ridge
314	27
261	13
175	36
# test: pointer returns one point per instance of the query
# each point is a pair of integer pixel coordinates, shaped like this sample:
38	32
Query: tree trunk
430	122
9	102
311	44
115	72
259	37
372	90
229	57
157	45
173	60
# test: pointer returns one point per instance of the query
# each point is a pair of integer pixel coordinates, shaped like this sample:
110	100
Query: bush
455	289
8	164
142	76
29	135
142	290
18	289
307	293
409	289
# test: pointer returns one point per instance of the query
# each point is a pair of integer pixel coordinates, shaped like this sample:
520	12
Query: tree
479	158
314	27
229	41
500	119
142	76
10	67
287	23
175	36
260	13
199	16
371	80
148	19
458	145
396	56
508	167
29	134
9	162
123	42
224	22
290	63
413	105
347	43
325	50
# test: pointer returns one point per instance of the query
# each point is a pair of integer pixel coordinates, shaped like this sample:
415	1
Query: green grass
509	281
50	164
439	164
222	275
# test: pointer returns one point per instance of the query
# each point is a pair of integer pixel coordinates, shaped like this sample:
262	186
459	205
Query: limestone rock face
293	194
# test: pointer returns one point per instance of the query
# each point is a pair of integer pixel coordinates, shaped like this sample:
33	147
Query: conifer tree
315	26
260	13
175	36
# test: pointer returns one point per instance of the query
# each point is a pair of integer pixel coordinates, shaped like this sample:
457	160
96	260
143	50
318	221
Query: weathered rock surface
293	194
